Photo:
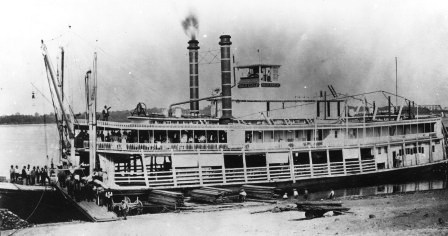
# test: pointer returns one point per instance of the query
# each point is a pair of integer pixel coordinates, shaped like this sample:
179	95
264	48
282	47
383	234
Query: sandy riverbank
401	214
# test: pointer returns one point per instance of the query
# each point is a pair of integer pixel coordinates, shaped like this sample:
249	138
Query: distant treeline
27	119
119	116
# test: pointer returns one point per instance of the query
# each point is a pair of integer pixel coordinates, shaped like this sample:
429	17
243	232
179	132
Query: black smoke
191	26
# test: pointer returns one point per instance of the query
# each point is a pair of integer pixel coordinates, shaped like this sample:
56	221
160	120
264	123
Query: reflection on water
406	187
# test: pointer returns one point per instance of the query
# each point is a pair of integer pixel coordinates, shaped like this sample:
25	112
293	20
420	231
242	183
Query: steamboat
298	141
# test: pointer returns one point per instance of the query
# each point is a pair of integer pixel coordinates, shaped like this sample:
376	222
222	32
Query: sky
142	48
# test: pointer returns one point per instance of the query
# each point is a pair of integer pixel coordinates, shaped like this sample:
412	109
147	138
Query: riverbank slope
397	214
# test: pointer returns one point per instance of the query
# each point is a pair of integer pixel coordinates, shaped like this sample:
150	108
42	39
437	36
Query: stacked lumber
9	220
259	191
319	208
167	198
231	195
212	195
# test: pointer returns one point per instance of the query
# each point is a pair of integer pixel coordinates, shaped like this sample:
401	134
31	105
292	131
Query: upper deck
184	137
198	124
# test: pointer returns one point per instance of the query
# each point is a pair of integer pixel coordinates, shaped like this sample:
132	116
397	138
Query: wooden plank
90	209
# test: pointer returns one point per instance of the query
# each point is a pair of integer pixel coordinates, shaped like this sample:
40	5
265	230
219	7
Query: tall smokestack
194	83
226	80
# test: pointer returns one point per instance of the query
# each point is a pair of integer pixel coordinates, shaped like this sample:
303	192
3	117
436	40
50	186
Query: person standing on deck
33	175
17	173
305	195
44	176
71	186
100	174
24	175
61	178
12	174
28	175
106	113
38	173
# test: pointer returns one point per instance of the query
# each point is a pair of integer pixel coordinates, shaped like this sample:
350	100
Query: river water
27	144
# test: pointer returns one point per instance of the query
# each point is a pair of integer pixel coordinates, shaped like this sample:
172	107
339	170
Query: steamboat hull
432	171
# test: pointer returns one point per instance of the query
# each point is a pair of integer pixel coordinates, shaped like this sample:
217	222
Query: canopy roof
257	65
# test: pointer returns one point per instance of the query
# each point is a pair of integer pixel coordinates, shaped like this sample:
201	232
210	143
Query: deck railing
128	125
281	172
257	174
337	168
235	175
188	177
158	146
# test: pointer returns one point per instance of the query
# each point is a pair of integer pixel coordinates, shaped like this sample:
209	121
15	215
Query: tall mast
62	143
62	73
396	81
55	86
91	78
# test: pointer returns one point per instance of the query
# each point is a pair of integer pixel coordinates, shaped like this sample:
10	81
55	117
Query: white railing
187	177
212	176
129	178
128	125
320	169
302	171
282	172
116	146
368	165
352	167
235	175
256	174
160	178
337	168
154	147
208	176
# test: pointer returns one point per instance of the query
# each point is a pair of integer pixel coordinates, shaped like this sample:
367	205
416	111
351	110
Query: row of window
408	151
415	150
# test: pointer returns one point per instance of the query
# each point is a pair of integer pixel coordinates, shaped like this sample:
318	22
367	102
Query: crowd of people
131	136
78	186
30	175
84	188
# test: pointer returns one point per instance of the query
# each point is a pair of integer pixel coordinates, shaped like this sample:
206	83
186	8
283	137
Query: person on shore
242	195
33	175
24	175
295	193
124	209
331	195
108	198
106	113
12	174
305	195
285	196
